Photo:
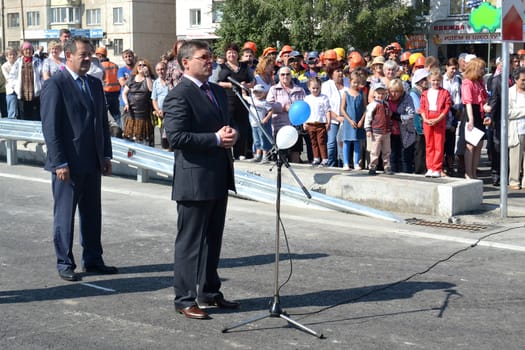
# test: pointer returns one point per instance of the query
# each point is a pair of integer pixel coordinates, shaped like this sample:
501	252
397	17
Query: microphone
236	83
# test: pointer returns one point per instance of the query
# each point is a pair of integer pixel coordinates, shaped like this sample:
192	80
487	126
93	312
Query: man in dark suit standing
199	129
76	132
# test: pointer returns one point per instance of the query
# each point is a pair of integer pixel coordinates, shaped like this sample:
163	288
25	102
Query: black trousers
29	110
200	227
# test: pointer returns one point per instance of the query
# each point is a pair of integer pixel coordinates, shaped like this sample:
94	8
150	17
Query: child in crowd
261	109
352	109
435	105
318	122
378	125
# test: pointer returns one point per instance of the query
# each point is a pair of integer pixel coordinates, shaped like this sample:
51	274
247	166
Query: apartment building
148	27
198	19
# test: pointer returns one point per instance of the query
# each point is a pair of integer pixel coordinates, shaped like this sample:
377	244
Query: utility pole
22	21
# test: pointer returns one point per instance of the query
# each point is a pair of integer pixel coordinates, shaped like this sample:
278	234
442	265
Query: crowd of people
386	109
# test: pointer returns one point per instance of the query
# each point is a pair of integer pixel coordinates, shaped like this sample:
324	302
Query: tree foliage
315	24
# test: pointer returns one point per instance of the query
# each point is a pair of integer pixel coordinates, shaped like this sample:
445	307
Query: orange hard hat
356	60
101	51
377	51
251	46
268	51
413	57
396	45
405	56
330	54
420	62
286	48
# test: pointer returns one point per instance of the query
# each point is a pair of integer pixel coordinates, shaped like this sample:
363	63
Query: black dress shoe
68	274
193	312
101	269
221	303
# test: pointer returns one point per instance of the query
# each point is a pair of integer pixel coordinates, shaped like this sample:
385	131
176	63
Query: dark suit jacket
76	130
202	170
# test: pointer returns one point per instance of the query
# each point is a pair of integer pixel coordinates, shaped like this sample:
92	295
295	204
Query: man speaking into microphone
200	131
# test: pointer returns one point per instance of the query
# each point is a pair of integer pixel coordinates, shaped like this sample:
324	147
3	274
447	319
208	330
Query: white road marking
97	287
317	220
356	226
20	177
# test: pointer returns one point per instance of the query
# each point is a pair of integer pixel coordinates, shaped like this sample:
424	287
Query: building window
13	20
65	15
118	17
14	44
462	7
195	17
118	46
93	17
33	18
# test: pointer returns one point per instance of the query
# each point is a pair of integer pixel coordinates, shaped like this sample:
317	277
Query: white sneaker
436	174
346	168
357	167
429	173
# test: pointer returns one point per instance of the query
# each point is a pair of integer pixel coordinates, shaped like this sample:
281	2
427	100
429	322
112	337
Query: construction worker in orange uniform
111	84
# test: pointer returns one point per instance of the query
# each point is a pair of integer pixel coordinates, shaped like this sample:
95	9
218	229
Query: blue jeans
331	145
260	141
346	152
12	106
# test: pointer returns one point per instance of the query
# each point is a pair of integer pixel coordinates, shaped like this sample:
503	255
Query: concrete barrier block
401	193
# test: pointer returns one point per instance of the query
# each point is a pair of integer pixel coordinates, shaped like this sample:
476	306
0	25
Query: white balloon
286	137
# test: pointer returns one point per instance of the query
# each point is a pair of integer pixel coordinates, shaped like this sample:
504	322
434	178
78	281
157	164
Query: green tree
316	24
260	21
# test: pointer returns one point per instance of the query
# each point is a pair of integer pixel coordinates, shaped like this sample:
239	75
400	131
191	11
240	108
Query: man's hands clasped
228	136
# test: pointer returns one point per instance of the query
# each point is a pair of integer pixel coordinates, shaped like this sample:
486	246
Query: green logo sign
485	16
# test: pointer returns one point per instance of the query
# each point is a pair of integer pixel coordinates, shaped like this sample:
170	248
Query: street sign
512	20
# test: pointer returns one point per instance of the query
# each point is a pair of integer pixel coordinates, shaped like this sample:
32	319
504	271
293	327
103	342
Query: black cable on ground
391	285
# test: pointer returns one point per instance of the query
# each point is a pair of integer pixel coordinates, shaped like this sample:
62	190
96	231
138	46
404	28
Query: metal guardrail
148	159
140	156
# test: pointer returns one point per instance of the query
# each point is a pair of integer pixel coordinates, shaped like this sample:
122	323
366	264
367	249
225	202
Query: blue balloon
299	112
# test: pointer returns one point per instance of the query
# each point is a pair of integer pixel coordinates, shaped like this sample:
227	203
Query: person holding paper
474	97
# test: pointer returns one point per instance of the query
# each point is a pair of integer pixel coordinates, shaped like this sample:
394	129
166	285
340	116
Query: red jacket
443	103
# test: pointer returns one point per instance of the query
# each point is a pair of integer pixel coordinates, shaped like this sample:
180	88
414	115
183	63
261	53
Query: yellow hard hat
413	57
340	53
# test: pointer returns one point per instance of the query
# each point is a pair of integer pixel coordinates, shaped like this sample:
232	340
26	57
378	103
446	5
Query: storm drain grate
466	227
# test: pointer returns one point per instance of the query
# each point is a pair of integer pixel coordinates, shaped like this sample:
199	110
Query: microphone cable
289	256
393	284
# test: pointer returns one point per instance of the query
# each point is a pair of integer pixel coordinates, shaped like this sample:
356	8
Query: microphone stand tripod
275	308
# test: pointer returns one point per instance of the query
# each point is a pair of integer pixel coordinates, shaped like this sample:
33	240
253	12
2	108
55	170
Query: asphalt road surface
361	282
